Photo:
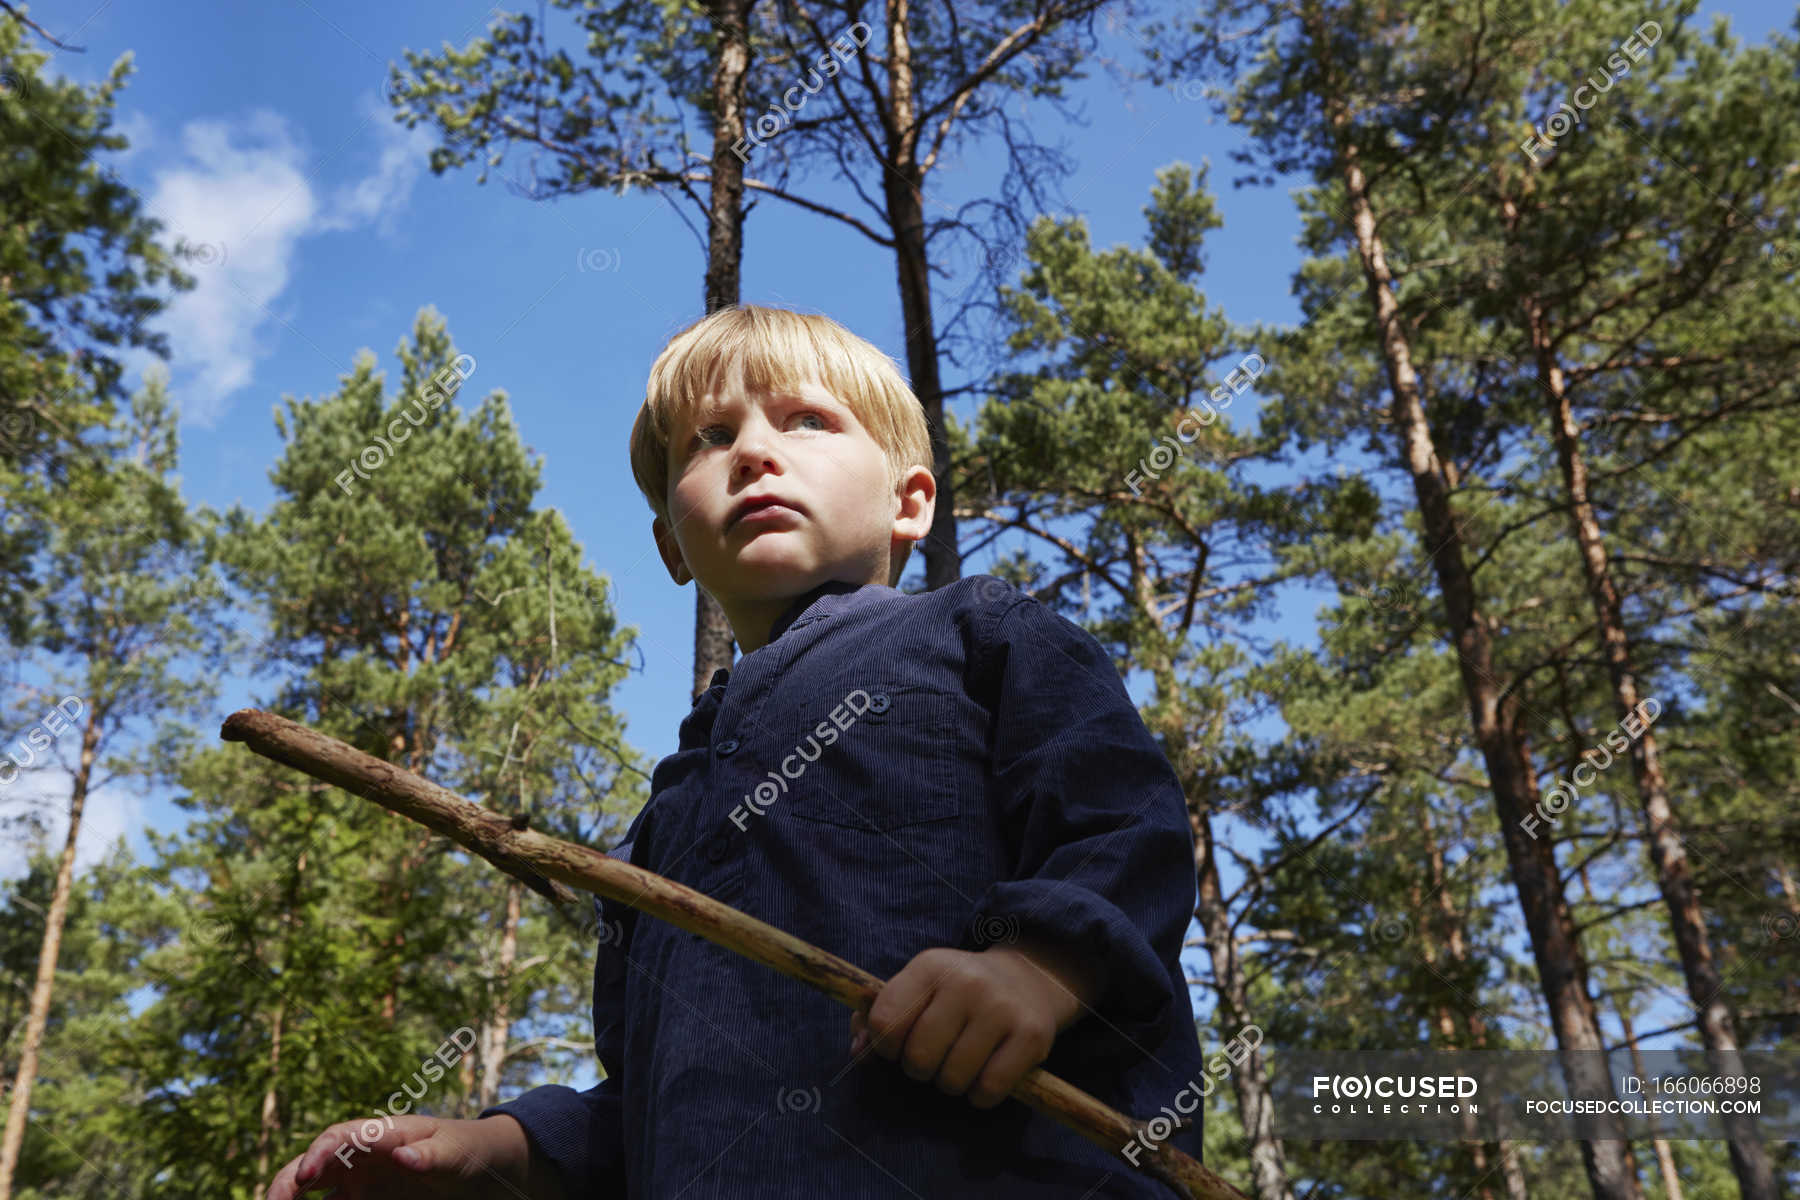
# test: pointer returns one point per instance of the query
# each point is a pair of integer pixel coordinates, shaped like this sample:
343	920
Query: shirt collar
802	605
805	602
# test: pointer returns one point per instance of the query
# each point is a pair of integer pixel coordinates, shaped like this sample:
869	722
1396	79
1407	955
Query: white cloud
135	127
242	193
382	196
241	201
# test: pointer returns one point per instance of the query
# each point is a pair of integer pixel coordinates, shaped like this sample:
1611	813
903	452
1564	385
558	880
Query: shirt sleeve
580	1133
1094	816
583	1133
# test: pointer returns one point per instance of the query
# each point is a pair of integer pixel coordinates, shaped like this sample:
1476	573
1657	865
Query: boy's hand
487	1157
975	1023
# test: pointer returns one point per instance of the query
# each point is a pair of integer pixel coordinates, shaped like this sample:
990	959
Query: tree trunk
1456	947
1665	1155
268	1130
725	211
493	1041
1668	856
1268	1167
904	188
1153	648
1561	963
268	1127
49	948
724	260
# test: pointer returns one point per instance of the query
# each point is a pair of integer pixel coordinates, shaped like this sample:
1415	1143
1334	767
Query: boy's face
838	518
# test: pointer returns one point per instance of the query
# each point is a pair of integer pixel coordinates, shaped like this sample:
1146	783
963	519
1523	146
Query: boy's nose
755	452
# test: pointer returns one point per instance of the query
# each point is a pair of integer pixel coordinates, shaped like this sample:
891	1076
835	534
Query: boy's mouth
761	502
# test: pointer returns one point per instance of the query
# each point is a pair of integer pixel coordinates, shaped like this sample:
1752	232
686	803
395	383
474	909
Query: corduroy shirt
891	772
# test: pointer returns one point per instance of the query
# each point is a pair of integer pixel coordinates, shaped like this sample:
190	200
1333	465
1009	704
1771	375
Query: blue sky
261	131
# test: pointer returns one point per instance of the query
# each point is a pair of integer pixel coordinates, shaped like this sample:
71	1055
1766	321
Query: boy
952	790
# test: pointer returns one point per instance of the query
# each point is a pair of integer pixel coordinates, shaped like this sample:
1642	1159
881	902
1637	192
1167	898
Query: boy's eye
703	434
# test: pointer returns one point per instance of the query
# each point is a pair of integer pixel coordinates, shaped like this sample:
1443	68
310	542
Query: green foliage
82	272
82	1140
300	954
322	949
124	625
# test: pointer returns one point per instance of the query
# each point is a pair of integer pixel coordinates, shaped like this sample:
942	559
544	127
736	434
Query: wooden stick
552	867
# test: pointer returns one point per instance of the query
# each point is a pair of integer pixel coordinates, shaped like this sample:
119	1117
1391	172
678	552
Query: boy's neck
790	612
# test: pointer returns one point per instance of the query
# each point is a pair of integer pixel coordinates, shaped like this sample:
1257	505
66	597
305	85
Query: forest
1526	473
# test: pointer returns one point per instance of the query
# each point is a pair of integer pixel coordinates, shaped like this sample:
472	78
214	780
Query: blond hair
777	350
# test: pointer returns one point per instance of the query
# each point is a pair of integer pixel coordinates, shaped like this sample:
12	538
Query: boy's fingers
933	1032
415	1145
1014	1058
346	1145
969	1054
307	1171
888	1028
316	1157
901	1000
859	1036
283	1187
439	1152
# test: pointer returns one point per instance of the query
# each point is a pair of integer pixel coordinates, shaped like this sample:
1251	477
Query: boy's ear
670	551
918	502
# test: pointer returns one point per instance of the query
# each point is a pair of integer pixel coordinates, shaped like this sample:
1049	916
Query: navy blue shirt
891	772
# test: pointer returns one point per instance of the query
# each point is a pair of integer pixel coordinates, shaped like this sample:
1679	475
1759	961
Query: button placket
717	839
723	848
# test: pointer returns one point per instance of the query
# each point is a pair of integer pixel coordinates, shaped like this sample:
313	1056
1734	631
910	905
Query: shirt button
727	747
879	703
717	847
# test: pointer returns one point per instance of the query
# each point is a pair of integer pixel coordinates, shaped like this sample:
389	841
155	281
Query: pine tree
128	593
1111	458
81	277
1643	351
405	585
1365	101
81	1140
